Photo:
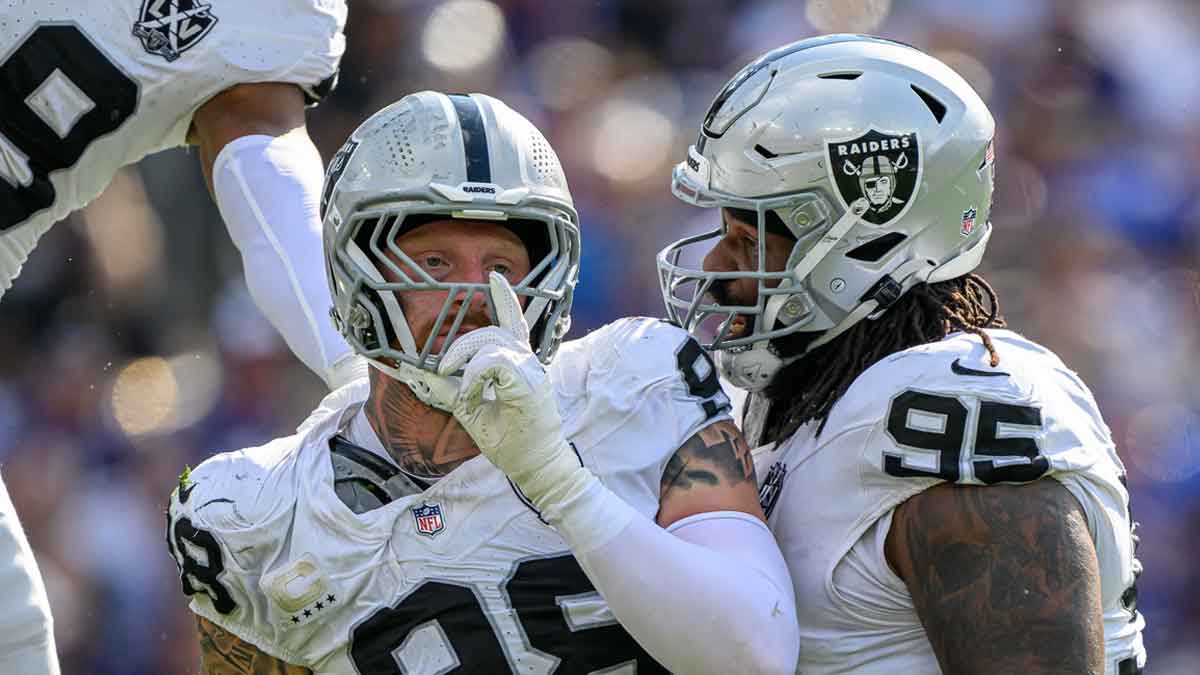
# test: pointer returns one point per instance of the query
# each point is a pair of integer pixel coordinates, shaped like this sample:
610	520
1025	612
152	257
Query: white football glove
506	403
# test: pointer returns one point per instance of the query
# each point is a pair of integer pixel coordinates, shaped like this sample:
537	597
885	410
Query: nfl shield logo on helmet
429	519
968	221
169	28
882	168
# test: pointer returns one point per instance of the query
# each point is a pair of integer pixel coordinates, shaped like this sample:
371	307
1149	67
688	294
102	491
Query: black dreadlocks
806	390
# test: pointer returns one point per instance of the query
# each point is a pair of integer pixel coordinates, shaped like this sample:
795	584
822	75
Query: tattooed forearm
1004	578
716	455
424	440
222	653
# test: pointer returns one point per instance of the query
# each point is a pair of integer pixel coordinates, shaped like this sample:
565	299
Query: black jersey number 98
58	56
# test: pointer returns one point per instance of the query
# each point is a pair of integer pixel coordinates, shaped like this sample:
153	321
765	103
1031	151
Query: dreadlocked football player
944	490
87	87
426	521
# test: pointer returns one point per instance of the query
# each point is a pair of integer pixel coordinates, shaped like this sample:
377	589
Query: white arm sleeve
269	193
710	594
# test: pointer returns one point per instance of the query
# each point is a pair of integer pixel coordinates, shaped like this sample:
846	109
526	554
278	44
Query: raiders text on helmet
453	156
870	152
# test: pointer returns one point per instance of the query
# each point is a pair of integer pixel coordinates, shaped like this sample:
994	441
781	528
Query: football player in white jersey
88	87
944	490
434	517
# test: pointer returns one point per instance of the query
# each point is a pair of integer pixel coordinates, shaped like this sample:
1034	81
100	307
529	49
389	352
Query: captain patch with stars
882	167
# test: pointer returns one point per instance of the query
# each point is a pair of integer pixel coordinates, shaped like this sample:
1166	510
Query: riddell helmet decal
883	167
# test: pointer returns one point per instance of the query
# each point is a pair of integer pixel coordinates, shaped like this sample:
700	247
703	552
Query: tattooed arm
712	471
223	653
1004	578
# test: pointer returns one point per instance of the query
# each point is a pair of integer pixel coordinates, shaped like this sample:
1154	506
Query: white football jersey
88	86
930	414
462	577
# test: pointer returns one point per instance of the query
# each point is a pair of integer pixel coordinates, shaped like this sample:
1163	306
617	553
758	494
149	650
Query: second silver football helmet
875	156
455	156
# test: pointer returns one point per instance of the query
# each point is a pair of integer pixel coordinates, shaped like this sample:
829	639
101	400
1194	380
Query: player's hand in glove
506	403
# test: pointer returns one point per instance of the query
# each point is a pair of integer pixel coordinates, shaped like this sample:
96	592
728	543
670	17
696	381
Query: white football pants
26	630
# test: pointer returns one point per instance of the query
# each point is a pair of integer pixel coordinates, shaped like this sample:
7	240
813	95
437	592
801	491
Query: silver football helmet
875	156
456	156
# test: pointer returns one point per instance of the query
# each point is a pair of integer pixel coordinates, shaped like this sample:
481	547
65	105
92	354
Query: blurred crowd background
130	346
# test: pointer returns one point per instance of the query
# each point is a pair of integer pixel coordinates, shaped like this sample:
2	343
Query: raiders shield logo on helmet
169	28
884	168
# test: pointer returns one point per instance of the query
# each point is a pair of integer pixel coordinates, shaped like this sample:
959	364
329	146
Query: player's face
457	251
737	251
878	189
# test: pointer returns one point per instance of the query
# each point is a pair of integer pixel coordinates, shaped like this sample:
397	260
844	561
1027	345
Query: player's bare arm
712	471
422	439
223	653
1004	578
265	108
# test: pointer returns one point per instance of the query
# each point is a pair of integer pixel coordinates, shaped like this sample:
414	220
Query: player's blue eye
434	261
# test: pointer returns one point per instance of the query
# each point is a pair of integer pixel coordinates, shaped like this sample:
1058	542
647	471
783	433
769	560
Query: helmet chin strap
750	369
430	388
904	273
753	369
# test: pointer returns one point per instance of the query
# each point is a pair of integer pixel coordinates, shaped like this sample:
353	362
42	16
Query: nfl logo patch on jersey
169	28
429	519
769	491
968	221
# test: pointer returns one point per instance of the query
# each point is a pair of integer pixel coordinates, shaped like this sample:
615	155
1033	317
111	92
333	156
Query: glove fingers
443	391
508	307
464	348
495	375
430	388
474	396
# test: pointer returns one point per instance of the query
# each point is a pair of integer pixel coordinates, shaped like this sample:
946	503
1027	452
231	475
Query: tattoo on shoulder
223	653
715	455
1004	578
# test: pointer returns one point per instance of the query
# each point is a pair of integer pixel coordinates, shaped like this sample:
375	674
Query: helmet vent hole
877	248
765	152
935	106
852	75
544	160
400	149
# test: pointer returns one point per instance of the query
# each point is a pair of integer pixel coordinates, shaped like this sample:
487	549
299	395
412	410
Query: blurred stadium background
130	346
